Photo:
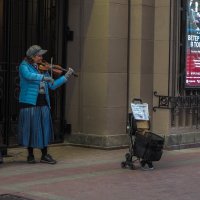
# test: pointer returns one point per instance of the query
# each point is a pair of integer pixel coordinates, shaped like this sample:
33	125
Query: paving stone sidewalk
93	174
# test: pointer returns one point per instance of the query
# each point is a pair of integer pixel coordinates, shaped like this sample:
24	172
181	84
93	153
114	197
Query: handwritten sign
140	111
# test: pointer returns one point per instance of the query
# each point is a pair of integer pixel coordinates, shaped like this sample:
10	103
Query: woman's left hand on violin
56	69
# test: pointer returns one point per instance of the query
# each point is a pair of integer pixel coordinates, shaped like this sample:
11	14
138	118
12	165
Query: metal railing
185	110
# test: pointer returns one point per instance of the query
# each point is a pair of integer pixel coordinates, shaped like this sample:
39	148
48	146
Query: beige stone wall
149	57
73	57
113	69
141	50
161	118
97	101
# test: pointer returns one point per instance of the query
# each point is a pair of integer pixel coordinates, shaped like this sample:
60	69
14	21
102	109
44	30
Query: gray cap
35	50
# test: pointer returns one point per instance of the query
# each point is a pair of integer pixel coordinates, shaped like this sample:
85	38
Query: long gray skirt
35	127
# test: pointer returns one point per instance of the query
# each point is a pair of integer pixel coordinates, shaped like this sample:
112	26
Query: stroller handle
135	100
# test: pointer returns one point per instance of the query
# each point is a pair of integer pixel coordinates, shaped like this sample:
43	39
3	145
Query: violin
57	70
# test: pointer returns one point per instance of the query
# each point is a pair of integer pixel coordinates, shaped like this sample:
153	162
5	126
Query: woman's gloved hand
48	79
69	73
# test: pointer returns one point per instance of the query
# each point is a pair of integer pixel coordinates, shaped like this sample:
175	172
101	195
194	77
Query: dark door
22	24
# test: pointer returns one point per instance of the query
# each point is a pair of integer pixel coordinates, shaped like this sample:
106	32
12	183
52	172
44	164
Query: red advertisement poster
192	78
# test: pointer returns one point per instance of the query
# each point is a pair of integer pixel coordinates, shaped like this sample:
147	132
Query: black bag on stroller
148	146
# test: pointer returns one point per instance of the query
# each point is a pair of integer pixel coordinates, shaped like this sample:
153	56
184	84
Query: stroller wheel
132	166
128	156
123	164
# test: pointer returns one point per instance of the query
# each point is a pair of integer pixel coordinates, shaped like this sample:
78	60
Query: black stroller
144	145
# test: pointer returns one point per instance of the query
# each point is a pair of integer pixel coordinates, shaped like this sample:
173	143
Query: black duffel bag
148	146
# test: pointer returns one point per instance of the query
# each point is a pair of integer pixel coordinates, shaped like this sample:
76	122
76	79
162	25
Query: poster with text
192	78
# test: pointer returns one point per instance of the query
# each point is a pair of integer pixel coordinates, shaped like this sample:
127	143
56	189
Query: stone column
101	108
161	118
142	51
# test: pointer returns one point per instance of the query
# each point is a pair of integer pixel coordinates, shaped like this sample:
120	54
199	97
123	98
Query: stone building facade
125	49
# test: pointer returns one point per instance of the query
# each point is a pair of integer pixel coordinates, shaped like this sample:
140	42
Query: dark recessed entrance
24	23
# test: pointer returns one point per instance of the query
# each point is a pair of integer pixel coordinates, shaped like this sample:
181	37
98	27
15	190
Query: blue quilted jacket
30	79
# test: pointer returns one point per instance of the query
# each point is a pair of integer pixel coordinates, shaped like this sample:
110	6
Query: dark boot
30	157
150	165
46	158
1	158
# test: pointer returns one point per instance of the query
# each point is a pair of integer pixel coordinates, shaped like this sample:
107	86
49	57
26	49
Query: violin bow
51	67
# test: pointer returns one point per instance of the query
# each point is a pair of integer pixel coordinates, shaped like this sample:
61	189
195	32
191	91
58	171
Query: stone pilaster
100	104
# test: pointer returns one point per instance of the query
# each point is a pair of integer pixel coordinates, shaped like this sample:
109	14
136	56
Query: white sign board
140	111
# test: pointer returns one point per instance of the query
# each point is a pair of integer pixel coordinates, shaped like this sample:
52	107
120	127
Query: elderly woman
35	123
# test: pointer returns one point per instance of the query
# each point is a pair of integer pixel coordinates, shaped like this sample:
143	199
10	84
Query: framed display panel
192	44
